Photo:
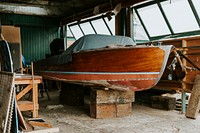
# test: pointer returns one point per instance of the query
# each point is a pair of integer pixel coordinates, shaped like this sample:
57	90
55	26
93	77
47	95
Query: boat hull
132	68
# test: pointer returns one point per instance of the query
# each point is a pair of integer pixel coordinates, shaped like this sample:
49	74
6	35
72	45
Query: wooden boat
110	61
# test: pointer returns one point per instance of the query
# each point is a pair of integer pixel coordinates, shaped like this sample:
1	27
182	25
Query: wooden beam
24	91
102	9
28	9
194	102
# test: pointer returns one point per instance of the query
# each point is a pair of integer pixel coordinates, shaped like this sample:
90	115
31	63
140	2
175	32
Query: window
111	24
93	25
197	6
76	31
100	27
180	15
139	33
167	18
153	20
87	28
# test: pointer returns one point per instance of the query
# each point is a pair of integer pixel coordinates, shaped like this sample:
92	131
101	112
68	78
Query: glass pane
111	24
153	20
87	28
69	34
180	15
197	6
139	33
76	31
100	27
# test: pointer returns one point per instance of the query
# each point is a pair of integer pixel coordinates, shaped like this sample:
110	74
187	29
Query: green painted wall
36	42
36	33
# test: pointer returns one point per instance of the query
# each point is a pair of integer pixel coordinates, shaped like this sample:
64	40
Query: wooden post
194	102
183	84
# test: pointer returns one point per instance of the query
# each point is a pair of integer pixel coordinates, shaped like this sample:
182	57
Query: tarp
94	41
88	42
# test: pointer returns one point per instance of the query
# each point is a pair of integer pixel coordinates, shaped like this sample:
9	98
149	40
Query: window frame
172	34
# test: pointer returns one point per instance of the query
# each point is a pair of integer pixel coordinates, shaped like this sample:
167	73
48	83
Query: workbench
32	82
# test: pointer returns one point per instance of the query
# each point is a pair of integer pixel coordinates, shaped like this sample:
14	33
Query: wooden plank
35	101
40	124
12	36
49	130
22	122
25	105
194	102
23	92
27	79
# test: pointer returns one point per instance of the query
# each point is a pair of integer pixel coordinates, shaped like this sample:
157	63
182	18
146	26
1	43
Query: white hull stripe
100	73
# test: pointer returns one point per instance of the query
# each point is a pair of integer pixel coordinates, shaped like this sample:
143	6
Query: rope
187	59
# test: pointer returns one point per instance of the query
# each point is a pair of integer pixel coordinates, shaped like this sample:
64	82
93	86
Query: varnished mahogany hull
132	68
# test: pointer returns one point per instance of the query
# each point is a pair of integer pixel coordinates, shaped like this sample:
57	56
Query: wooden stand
32	84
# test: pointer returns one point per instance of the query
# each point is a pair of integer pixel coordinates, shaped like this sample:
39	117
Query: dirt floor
143	119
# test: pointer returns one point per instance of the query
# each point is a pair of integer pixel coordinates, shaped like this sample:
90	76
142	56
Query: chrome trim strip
100	73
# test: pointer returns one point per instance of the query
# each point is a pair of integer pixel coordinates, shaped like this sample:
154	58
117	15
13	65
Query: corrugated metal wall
36	33
36	41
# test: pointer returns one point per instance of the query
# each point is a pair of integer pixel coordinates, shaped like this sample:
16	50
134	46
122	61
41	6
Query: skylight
76	31
98	25
168	18
180	15
153	20
196	4
87	28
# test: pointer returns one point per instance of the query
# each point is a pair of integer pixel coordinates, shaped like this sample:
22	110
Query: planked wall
36	33
193	54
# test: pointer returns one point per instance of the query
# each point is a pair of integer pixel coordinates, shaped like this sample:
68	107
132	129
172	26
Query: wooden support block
124	109
110	103
110	110
194	102
162	102
111	96
102	110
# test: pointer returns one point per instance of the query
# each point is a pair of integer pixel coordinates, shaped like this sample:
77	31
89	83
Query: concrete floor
143	119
